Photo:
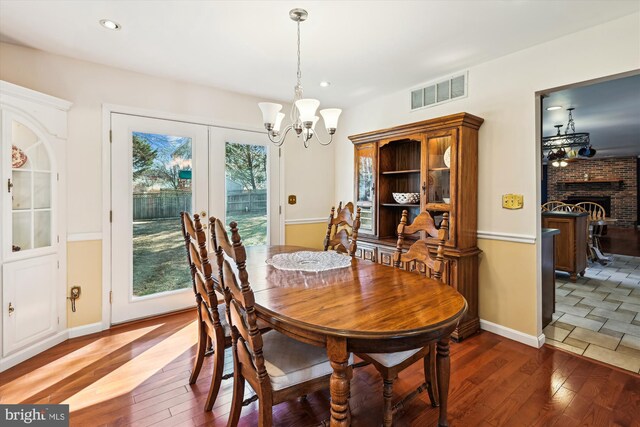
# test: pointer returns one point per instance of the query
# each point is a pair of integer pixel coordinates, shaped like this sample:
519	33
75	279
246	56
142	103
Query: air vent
440	91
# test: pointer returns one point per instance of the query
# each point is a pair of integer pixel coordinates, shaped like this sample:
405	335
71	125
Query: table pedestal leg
340	379
442	362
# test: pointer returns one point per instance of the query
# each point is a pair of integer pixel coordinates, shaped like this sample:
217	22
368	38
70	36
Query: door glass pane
162	167
21	191
246	189
41	190
42	228
21	231
439	176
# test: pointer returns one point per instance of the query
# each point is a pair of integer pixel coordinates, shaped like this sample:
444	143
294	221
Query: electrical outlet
292	199
512	201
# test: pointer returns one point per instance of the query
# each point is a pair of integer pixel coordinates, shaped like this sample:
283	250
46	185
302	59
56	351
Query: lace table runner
309	261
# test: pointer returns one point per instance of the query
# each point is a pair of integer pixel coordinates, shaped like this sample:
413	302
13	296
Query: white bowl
447	200
405	198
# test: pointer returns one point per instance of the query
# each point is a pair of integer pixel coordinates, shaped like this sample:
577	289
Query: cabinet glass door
30	187
441	161
365	186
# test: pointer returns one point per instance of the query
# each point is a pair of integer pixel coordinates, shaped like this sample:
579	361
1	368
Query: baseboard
79	331
512	334
29	352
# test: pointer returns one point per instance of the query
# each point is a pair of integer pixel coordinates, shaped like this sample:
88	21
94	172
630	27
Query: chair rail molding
507	237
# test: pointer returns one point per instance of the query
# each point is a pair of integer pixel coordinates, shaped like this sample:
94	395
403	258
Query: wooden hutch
437	158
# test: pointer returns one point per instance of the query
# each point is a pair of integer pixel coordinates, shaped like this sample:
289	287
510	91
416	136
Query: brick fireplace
569	183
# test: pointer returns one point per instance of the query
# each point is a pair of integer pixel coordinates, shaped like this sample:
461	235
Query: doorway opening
589	187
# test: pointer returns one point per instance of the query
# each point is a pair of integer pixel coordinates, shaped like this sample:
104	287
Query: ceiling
608	111
365	49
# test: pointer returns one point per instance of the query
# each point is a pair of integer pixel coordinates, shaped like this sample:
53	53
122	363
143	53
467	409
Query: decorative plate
447	157
309	261
18	158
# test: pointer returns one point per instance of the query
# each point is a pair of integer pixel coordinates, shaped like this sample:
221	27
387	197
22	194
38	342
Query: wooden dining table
363	308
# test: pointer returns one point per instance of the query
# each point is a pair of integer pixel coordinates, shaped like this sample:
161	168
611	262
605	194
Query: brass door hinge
110	297
110	216
110	136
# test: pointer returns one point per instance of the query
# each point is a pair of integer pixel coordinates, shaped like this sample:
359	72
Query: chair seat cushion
392	359
290	362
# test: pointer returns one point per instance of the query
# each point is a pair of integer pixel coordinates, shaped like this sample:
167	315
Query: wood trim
82	330
512	334
305	221
507	237
34	96
435	124
84	237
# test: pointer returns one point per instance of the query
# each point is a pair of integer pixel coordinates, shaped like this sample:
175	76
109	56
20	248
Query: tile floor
599	316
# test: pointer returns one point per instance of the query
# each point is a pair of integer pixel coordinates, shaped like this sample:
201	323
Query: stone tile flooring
599	316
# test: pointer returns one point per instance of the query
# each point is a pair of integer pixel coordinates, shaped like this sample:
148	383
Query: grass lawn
159	258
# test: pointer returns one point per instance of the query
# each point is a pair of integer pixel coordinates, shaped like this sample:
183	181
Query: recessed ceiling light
554	107
109	24
325	83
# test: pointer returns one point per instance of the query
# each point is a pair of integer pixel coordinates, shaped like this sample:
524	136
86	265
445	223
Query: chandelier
570	144
303	110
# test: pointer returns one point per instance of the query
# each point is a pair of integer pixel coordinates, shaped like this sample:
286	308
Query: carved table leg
442	362
339	357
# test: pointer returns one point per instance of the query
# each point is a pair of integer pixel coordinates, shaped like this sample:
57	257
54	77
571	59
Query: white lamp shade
307	108
269	111
278	123
315	120
330	116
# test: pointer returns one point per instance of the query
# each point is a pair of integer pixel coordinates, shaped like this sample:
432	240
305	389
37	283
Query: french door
162	167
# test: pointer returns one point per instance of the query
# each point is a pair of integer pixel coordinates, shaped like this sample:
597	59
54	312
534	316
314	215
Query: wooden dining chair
390	364
562	208
596	225
277	367
551	205
342	230
213	328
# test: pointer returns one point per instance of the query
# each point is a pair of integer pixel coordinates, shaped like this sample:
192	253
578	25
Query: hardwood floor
138	375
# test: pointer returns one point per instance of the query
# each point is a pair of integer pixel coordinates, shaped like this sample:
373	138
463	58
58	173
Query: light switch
512	201
292	199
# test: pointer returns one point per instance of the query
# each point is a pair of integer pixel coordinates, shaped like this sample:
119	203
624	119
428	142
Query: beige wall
308	172
507	277
502	92
84	269
306	235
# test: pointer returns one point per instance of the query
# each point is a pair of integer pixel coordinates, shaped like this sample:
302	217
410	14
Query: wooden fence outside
247	201
169	204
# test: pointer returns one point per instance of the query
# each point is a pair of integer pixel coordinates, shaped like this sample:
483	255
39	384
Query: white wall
502	92
309	173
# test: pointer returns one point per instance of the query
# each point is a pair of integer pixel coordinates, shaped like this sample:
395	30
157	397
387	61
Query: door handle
203	215
424	188
11	309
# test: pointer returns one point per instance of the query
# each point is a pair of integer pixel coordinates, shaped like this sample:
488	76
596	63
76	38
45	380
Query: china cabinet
436	161
33	127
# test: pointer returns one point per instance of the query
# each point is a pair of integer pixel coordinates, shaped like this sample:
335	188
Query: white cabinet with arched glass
33	129
31	187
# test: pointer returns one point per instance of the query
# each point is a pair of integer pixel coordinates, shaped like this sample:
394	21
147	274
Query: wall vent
440	91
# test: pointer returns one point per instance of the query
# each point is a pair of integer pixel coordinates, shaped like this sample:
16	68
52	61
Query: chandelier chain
299	72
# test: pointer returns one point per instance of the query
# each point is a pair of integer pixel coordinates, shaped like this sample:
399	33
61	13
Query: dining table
364	307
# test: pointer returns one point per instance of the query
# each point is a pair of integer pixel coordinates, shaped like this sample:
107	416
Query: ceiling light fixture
303	110
109	24
555	147
554	107
325	83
